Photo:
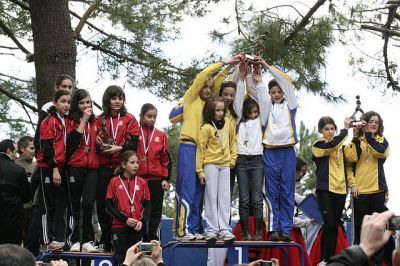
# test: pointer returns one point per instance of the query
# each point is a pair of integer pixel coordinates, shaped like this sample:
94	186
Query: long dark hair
248	104
57	95
125	155
367	116
209	109
75	113
110	92
146	107
229	84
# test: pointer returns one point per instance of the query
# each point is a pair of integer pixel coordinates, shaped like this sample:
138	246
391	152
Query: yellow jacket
212	149
193	104
366	156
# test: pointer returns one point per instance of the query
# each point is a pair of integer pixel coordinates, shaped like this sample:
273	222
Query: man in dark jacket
14	192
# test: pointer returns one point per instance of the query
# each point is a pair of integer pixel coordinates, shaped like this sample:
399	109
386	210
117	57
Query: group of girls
358	166
110	159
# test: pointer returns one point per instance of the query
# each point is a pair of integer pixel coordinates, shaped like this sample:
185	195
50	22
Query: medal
87	149
114	133
131	208
86	138
146	148
131	200
145	158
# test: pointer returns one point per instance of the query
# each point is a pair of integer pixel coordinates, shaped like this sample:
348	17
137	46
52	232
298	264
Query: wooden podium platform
100	259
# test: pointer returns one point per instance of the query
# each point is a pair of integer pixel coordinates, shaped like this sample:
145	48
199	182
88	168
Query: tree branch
9	47
304	21
20	4
29	116
10	34
382	30
12	77
17	99
85	17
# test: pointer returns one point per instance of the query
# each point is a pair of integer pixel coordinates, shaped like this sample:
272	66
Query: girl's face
62	104
253	114
84	104
206	90
373	124
219	110
276	94
116	103
328	131
229	95
131	166
149	118
66	84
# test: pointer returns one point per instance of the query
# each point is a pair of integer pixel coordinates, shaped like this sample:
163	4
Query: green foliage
16	18
307	139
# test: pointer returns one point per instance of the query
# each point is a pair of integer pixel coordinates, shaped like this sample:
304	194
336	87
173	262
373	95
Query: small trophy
354	121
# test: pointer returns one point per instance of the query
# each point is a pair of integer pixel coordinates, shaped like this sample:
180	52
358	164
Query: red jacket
53	141
124	128
155	166
85	156
116	192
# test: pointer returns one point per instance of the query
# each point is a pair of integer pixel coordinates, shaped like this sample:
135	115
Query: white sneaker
229	238
190	236
55	245
89	247
199	236
322	263
76	247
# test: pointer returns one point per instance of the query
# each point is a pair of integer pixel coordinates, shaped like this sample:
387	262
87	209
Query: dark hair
323	121
146	107
125	155
300	162
229	84
60	78
367	116
7	144
14	255
248	104
209	108
75	113
57	95
110	92
23	142
273	83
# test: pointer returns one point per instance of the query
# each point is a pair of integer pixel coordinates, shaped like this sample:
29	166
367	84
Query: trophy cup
354	120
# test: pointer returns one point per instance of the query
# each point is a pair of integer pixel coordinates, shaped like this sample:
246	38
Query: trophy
107	140
354	121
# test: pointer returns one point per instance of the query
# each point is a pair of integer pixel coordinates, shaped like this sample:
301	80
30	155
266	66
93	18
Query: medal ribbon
114	134
127	192
144	141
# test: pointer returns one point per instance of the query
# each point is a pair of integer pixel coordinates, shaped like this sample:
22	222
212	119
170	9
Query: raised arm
240	91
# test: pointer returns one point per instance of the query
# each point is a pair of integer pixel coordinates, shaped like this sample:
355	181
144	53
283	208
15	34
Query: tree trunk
54	45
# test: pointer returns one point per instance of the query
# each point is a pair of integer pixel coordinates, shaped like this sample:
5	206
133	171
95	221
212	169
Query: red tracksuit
119	205
82	180
153	166
52	153
122	129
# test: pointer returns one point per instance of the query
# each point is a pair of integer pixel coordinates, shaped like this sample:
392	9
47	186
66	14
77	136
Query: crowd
115	168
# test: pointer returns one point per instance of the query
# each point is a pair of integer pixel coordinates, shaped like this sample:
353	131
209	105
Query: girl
216	153
154	166
249	167
127	200
367	152
117	128
331	181
50	161
82	171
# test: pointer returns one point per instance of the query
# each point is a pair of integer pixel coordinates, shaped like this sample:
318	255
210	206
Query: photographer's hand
132	254
156	254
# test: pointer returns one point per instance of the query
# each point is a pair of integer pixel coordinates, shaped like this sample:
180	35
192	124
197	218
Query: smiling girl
331	180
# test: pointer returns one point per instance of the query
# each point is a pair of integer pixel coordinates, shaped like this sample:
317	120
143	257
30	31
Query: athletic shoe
104	248
286	237
89	247
199	236
322	263
229	238
211	237
190	236
76	247
273	236
55	245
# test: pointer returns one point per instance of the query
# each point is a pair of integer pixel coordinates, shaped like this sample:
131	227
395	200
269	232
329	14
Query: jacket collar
4	155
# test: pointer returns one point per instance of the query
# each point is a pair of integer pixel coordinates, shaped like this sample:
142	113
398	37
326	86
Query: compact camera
266	263
250	58
394	223
146	248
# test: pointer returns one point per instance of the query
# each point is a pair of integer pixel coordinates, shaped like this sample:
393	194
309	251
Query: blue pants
189	193
280	174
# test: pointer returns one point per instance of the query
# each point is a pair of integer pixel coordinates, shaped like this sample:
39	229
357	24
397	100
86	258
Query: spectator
14	255
372	238
134	257
14	191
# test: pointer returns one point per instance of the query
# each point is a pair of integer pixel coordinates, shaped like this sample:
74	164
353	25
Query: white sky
195	42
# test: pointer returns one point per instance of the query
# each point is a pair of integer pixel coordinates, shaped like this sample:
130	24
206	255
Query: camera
266	263
394	223
250	58
146	248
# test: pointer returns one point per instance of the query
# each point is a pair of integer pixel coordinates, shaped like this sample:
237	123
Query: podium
99	259
237	251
